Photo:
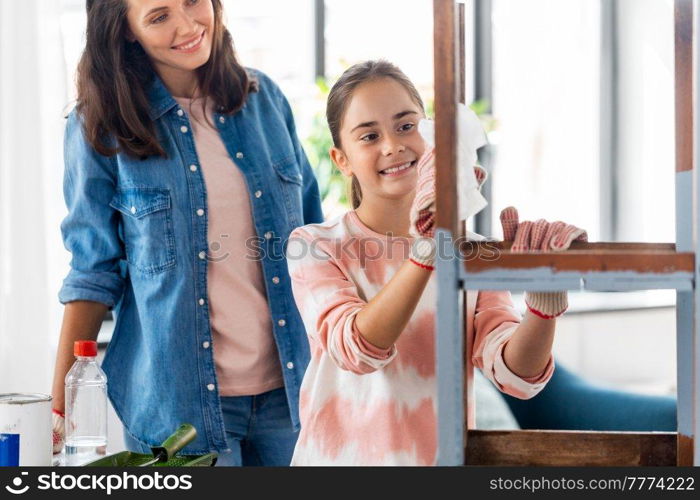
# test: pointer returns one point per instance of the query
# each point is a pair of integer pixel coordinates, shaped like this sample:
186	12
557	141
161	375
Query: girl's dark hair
342	92
114	75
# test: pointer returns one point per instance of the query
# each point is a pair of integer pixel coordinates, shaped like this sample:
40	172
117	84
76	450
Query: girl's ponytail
355	193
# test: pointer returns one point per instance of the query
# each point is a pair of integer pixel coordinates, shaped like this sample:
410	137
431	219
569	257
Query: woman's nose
186	25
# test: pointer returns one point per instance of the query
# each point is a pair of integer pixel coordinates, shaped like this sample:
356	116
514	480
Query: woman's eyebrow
397	116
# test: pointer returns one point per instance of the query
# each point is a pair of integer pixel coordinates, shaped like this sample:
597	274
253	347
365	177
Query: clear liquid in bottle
86	407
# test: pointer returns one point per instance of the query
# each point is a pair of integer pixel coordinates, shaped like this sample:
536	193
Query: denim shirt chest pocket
291	181
147	228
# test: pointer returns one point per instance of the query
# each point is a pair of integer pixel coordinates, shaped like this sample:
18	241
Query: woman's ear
129	35
341	161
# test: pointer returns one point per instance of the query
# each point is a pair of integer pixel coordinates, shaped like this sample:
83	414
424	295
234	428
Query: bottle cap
85	348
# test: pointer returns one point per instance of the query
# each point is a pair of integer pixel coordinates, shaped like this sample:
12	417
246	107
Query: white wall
32	96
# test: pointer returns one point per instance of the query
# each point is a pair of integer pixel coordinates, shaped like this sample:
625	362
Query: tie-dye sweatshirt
361	405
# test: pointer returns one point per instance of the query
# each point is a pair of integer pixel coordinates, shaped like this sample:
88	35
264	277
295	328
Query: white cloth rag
470	137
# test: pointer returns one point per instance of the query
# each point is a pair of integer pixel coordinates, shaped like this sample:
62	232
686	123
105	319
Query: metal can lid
21	399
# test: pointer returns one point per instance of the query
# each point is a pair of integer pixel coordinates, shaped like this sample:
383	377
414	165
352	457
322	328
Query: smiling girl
366	291
176	158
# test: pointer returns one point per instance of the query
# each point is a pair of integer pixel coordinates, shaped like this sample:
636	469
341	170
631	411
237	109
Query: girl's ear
341	161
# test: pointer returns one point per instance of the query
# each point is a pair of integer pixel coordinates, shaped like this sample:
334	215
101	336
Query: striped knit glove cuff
423	253
547	305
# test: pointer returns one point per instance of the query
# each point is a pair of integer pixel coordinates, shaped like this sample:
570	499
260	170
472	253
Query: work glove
59	431
422	214
541	236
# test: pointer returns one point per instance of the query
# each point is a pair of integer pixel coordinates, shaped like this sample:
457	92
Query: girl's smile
399	169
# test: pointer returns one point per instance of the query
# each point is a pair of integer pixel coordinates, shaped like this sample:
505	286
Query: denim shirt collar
159	98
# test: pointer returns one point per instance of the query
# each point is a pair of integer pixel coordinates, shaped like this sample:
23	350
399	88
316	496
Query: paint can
28	416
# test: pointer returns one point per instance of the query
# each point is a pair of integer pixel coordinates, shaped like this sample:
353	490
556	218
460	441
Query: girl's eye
368	137
406	127
192	2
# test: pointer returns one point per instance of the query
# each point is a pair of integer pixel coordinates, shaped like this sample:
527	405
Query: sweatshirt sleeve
495	321
328	302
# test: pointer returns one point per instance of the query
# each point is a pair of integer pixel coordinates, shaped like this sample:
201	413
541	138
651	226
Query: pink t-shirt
360	405
245	353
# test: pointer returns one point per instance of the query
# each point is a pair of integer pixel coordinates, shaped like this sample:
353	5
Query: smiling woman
177	38
122	52
176	157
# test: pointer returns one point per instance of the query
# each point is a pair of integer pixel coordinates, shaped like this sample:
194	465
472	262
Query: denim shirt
139	247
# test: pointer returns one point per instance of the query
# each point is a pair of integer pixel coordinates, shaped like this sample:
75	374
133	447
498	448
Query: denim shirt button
239	155
180	112
201	302
268	235
211	387
258	194
200	212
183	129
290	365
222	119
205	344
202	255
281	322
133	210
193	168
276	280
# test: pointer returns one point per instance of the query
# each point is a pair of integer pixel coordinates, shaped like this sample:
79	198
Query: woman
183	176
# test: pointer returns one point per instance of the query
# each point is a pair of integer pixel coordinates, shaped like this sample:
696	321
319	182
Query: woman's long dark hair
114	74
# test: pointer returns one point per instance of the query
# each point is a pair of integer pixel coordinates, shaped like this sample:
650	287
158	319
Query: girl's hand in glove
541	236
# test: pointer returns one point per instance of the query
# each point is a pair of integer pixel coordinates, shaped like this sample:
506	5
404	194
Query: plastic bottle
86	406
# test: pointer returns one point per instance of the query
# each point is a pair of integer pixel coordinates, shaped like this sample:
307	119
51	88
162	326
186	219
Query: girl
368	396
177	160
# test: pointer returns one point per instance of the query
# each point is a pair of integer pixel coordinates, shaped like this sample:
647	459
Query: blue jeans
568	402
259	431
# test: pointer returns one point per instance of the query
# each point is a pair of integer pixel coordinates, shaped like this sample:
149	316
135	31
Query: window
277	37
646	161
550	80
397	30
546	74
73	20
